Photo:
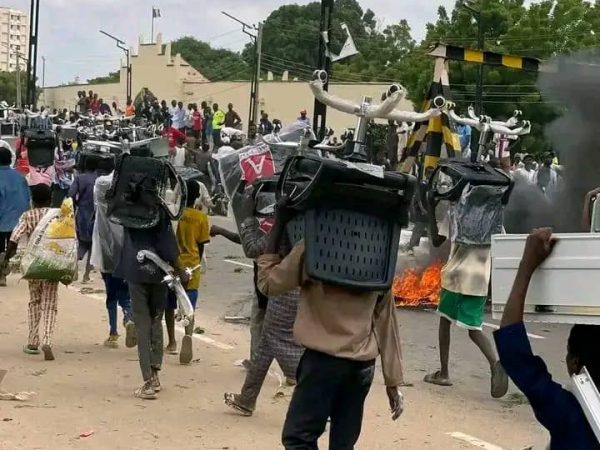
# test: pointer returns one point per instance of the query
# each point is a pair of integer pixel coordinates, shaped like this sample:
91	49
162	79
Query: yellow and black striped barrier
455	53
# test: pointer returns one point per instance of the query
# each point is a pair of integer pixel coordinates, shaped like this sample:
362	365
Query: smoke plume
574	81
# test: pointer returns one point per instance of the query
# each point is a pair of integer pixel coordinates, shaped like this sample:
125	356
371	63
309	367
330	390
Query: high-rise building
14	39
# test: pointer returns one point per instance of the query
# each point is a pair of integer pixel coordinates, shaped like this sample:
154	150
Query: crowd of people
203	122
326	338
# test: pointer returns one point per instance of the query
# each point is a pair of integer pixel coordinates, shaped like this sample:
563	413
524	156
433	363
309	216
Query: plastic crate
312	182
41	145
106	160
350	221
351	249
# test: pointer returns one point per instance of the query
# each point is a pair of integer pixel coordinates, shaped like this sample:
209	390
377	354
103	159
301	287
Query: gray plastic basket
348	248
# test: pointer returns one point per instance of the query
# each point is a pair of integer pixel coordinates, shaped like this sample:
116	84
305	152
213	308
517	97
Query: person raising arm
555	407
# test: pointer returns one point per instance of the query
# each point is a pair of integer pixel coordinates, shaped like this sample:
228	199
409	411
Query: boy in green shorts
465	281
192	234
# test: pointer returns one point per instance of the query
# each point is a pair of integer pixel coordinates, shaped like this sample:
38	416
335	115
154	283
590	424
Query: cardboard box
565	289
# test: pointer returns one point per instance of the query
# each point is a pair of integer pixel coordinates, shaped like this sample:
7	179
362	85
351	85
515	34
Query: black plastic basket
311	182
350	221
93	159
136	198
351	249
41	145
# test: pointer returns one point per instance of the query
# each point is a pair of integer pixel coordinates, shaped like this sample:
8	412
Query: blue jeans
117	293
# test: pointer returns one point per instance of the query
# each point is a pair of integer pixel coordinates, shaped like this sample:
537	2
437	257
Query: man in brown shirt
232	118
343	332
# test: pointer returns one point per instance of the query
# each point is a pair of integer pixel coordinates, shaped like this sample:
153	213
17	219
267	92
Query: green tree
291	35
215	64
112	77
8	87
541	30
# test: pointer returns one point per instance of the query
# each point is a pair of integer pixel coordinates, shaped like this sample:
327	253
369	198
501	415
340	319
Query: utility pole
250	30
481	44
18	77
259	37
320	110
44	78
33	45
121	44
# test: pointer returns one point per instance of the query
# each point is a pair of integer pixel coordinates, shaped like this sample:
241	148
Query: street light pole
44	78
324	63
250	30
121	44
32	55
481	44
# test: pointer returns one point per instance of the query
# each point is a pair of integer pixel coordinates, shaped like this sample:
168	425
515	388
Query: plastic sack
266	159
477	215
107	237
51	253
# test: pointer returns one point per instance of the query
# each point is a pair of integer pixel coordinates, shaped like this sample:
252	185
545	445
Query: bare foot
436	378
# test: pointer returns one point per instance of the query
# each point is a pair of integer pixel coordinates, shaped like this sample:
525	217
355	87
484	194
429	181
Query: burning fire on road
419	290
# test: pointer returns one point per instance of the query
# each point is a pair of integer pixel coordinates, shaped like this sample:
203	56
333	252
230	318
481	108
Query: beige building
14	39
169	77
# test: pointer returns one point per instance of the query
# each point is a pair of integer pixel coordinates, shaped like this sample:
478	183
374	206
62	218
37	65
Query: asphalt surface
89	387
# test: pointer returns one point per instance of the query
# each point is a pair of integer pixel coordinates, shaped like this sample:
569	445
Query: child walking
43	294
192	235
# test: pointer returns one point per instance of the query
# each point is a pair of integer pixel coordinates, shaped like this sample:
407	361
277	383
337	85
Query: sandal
499	386
436	378
231	401
130	335
187	354
31	350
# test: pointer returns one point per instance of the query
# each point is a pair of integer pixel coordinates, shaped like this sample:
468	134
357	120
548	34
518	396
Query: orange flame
412	289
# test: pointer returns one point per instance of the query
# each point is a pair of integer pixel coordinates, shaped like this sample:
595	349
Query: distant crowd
204	122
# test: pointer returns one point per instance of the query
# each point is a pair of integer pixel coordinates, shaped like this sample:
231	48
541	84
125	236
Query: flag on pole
155	12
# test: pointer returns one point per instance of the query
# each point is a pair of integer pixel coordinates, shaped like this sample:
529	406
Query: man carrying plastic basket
43	294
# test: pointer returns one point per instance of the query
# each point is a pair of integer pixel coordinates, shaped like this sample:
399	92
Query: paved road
89	388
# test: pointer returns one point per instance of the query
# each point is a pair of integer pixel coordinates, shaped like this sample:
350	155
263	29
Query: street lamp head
119	41
471	5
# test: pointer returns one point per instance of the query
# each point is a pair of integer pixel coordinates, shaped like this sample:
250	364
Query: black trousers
147	308
4	239
58	195
328	387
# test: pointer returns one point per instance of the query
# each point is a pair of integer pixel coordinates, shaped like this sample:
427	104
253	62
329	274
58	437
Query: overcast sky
73	47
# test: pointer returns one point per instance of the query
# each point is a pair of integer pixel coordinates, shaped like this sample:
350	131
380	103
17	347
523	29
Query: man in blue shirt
555	407
14	201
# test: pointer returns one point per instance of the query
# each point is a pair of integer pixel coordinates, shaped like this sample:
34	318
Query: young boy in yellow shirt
192	234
